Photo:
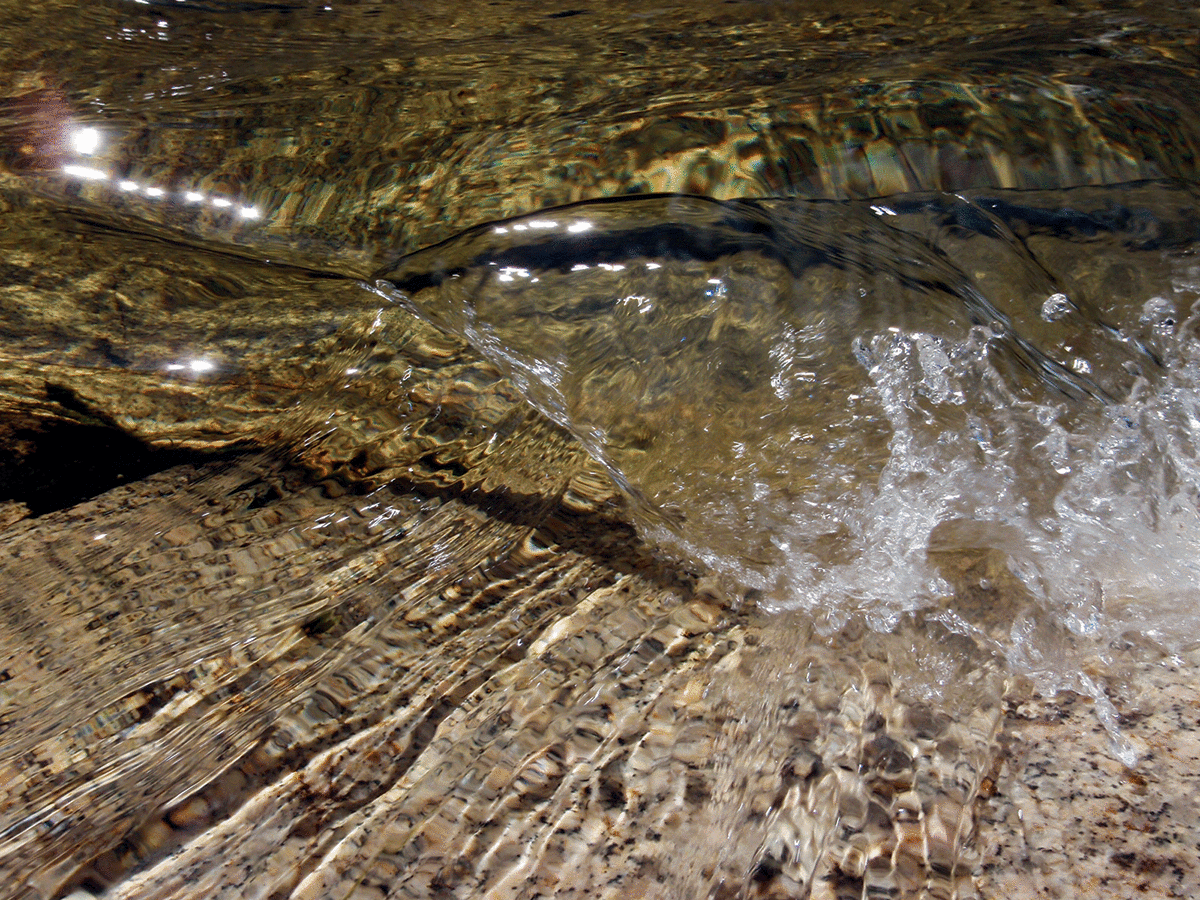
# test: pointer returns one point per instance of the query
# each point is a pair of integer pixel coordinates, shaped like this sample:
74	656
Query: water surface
735	392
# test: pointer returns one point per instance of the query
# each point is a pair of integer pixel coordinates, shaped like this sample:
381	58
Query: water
819	401
637	422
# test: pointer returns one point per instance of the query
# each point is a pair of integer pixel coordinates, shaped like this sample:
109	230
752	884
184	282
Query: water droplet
1056	307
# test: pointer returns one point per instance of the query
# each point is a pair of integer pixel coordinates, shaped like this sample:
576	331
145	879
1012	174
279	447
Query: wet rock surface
230	679
1063	818
295	689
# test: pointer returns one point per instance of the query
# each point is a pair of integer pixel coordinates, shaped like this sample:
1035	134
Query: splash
976	407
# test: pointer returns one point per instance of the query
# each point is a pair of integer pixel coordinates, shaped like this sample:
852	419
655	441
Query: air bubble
1056	307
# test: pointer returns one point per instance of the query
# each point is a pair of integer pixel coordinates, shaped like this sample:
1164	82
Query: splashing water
873	408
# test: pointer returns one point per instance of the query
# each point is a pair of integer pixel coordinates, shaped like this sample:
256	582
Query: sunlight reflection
89	142
87	173
85	141
195	366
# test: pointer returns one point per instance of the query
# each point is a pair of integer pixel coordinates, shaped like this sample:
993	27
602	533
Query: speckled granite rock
229	682
240	684
1063	818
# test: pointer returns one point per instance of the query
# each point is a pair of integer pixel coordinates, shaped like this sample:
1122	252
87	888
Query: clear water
846	407
883	324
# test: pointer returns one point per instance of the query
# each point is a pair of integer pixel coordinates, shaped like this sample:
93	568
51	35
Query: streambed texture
711	451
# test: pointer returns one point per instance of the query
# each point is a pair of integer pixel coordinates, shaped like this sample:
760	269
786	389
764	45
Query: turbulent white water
981	409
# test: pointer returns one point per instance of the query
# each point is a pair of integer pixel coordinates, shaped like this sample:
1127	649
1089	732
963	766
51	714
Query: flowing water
639	443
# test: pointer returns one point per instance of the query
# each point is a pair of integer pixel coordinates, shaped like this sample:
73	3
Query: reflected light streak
85	141
91	173
509	272
196	366
87	173
88	140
